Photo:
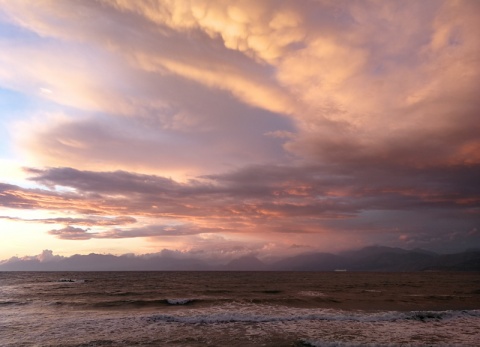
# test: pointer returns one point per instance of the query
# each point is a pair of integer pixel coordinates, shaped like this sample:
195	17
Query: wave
144	303
320	343
132	303
184	301
71	280
123	293
12	303
390	316
117	304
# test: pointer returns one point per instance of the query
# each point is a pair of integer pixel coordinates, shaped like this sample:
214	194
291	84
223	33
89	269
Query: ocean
239	309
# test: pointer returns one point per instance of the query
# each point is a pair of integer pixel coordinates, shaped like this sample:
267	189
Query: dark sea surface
239	309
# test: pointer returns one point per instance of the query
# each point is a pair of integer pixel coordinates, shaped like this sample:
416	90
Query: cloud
134	114
262	200
89	221
288	190
71	233
357	83
405	99
158	231
263	118
45	257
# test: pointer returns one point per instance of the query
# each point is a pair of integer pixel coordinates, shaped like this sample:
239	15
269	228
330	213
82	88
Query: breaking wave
393	316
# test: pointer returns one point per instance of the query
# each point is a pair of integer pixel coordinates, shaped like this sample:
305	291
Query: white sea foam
200	326
228	316
235	313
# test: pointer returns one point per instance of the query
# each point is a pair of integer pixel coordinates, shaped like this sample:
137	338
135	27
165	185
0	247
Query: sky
219	129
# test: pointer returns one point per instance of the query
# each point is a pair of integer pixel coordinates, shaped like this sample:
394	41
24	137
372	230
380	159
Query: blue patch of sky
12	105
17	106
11	31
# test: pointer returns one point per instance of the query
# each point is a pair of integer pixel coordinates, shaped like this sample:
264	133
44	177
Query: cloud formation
297	122
88	221
260	200
72	233
363	81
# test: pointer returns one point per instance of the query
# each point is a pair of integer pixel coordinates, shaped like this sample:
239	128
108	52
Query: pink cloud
260	118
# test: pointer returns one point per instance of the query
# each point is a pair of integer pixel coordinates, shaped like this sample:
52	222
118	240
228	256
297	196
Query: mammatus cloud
361	82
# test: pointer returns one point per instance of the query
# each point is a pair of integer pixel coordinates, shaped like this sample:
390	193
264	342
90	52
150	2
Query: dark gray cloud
436	201
104	182
157	231
275	187
74	233
88	221
71	233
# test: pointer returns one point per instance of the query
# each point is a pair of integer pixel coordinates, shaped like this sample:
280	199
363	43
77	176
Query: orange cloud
292	117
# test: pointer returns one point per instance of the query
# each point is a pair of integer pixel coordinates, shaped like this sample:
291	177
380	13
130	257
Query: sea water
239	309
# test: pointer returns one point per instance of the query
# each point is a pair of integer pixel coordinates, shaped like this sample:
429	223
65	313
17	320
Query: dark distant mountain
465	261
103	262
380	258
23	265
371	251
246	263
310	262
392	261
374	258
424	251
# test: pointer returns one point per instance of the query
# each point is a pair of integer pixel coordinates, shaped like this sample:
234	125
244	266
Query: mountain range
373	258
